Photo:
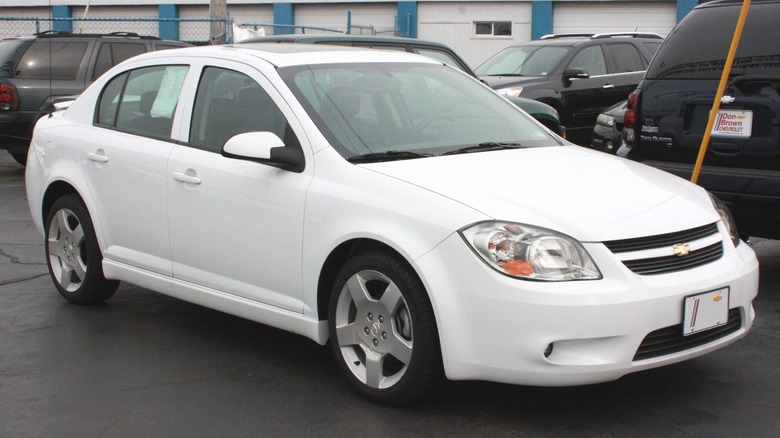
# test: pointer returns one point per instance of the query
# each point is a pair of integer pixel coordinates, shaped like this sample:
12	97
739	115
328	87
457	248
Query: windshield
401	111
523	61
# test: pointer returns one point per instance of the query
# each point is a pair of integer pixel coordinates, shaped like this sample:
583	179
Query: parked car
391	204
608	132
545	114
668	113
579	75
37	70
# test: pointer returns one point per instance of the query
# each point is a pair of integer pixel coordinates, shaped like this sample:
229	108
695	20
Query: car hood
498	82
586	194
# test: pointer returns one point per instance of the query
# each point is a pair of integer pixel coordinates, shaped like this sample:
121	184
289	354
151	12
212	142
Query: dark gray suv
577	74
669	111
36	70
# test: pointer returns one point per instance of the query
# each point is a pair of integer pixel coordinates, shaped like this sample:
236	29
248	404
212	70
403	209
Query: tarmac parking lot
144	364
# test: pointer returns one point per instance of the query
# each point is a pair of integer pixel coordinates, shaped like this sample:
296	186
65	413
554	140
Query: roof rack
566	35
60	33
603	35
628	34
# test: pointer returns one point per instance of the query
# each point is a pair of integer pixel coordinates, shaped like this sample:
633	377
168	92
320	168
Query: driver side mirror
574	73
266	148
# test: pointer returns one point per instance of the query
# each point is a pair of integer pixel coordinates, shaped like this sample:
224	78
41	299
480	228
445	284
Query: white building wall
334	16
595	17
142	28
452	23
19	28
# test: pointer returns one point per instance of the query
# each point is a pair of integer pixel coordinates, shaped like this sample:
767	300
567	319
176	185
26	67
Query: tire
73	254
383	330
20	158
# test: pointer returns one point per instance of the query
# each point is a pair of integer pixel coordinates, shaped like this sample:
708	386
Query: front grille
673	263
654	263
671	340
661	240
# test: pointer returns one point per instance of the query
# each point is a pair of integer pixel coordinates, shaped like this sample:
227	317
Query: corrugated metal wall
595	17
379	15
141	28
453	24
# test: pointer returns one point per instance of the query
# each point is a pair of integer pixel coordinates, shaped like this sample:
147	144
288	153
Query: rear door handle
97	157
183	177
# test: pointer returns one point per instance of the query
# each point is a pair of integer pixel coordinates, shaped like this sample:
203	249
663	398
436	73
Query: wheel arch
56	190
336	260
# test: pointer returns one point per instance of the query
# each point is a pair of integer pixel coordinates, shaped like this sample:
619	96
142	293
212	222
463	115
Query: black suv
35	70
669	111
578	74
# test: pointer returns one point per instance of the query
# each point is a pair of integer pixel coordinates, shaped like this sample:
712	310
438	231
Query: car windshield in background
401	111
689	55
523	61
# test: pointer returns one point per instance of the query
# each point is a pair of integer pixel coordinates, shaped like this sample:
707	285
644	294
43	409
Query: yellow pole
705	141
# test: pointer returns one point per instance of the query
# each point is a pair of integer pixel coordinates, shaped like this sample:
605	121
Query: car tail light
629	120
9	98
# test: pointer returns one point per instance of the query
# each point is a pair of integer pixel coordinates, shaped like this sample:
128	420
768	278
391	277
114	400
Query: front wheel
383	331
20	158
73	254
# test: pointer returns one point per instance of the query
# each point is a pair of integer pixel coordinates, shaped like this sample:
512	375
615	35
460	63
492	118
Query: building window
493	28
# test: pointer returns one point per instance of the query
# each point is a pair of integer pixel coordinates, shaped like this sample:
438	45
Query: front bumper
496	328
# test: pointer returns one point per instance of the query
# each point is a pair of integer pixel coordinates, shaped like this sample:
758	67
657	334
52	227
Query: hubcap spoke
391	298
357	290
374	368
400	349
347	335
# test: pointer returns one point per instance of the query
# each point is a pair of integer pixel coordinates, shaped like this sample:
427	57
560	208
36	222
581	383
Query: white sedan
390	204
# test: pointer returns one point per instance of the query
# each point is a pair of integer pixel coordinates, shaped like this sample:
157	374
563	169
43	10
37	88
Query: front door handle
97	157
183	177
608	86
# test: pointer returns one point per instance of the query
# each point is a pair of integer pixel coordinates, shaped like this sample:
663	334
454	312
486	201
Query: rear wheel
383	331
73	254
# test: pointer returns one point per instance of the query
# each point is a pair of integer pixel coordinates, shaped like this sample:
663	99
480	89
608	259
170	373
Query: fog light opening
548	350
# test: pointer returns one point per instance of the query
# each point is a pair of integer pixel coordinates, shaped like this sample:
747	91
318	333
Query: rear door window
142	101
111	54
65	56
625	58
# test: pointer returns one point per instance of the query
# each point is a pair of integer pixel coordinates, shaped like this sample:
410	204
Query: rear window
65	58
9	50
698	46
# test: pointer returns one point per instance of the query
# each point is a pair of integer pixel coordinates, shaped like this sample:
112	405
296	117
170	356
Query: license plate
733	123
705	311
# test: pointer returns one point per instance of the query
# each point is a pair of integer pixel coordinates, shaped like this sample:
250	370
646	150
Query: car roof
284	55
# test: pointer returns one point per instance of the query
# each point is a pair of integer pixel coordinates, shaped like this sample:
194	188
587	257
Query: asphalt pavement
144	364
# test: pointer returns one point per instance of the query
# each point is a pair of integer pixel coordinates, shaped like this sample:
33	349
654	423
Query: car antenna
51	71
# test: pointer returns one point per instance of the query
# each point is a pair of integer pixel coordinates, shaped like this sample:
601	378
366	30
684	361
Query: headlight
515	92
726	218
605	120
530	253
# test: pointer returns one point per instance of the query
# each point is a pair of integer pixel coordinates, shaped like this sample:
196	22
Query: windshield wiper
386	156
482	147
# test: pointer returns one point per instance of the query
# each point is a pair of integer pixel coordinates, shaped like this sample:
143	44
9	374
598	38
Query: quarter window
51	59
142	101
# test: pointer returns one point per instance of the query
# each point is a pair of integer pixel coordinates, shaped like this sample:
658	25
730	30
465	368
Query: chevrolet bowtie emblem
681	249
